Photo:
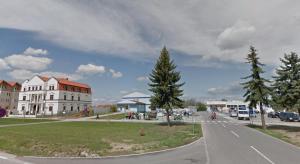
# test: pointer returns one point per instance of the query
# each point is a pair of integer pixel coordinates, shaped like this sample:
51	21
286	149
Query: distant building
225	106
50	96
9	94
135	102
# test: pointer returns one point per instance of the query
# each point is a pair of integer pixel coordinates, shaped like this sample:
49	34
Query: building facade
135	102
225	106
9	94
51	96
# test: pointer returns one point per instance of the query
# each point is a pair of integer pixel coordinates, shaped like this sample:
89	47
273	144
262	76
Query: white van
243	113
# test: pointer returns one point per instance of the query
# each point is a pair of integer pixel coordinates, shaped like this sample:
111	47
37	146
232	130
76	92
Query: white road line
223	125
260	153
235	134
1	157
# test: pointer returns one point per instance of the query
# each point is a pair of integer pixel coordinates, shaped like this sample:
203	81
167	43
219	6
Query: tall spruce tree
165	86
257	93
286	84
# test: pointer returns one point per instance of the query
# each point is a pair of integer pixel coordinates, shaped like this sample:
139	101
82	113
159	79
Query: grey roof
136	95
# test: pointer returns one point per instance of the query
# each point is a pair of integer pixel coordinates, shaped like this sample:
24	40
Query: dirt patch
293	136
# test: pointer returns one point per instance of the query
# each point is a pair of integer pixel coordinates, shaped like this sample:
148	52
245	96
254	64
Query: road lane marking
1	157
235	134
261	154
223	125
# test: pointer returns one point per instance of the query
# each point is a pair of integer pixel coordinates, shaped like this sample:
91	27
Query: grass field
114	117
94	138
8	121
286	133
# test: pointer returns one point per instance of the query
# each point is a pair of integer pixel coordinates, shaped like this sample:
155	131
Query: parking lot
269	121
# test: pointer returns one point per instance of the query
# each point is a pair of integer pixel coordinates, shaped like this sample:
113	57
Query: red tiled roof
44	78
72	83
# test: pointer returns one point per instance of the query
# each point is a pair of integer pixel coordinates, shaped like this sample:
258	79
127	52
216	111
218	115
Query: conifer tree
257	93
165	85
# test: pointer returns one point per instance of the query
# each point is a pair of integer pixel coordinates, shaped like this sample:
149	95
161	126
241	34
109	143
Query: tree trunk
299	111
262	114
168	118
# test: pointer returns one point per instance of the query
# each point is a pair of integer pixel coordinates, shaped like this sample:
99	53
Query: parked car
288	116
272	115
277	114
233	113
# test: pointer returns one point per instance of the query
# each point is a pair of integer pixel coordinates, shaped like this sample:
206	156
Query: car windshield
243	112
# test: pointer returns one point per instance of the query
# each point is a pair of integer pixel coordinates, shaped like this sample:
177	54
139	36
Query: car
288	116
277	114
233	113
271	115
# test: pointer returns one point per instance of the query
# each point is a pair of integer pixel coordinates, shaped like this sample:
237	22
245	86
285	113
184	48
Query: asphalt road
225	141
229	142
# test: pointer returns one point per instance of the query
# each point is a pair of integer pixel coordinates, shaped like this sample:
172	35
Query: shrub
2	112
113	108
142	132
201	107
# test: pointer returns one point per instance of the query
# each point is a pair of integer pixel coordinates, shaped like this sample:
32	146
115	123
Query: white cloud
142	78
124	92
21	61
233	90
236	36
29	60
74	77
32	51
198	28
21	74
3	65
115	74
90	69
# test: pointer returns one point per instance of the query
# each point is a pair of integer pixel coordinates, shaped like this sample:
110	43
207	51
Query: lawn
8	121
94	139
114	117
288	134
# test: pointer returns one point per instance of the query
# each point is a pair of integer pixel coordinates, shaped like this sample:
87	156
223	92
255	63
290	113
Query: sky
113	45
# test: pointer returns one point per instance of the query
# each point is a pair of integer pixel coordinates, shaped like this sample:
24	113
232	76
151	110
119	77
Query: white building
51	96
9	94
135	102
225	106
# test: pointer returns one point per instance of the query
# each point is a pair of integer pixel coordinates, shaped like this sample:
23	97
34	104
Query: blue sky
113	45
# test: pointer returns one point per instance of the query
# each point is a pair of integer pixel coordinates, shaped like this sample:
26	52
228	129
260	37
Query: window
51	87
71	108
64	108
51	97
78	108
24	98
23	108
78	98
72	98
44	96
65	97
40	87
24	89
29	88
50	108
